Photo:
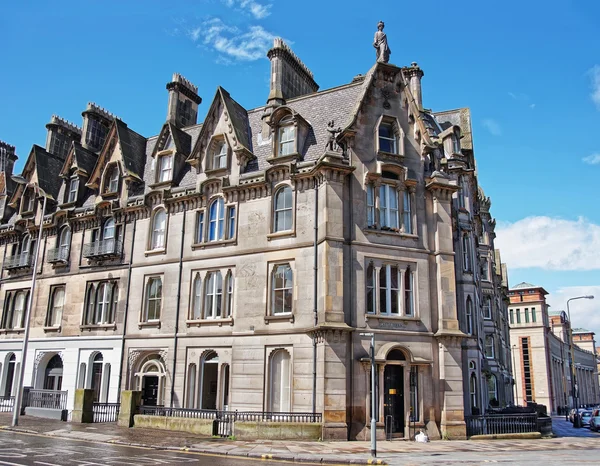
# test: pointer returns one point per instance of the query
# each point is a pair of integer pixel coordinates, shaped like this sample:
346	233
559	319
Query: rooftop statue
381	45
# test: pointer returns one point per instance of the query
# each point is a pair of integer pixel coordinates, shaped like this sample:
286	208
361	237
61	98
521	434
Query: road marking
46	464
11	464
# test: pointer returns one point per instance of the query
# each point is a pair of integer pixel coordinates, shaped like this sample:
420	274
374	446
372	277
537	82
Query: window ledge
391	317
273	160
280	318
382	153
15	331
150	324
390	232
203	322
281	234
52	329
215	172
111	195
212	244
90	327
161	184
67	205
155	252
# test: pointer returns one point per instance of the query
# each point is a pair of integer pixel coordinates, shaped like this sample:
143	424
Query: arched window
103	303
112	180
159	226
55	310
64	243
282	283
229	280
469	315
282	219
216	226
210	380
286	137
371	298
492	391
197	298
108	232
279	382
213	296
473	392
153	299
54	374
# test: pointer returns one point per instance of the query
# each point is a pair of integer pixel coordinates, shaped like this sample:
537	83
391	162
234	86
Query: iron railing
53	399
60	254
501	424
18	261
104	248
237	415
6	404
106	412
277	416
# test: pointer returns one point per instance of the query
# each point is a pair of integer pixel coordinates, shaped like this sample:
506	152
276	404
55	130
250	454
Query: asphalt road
22	449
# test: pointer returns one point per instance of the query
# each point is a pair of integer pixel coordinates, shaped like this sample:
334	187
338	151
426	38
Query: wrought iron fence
6	404
106	412
60	254
501	424
108	247
17	261
53	399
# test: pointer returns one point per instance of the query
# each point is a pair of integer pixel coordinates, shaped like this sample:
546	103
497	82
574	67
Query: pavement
355	452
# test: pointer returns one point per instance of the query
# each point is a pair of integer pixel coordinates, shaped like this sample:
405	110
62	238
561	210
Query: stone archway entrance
53	374
151	380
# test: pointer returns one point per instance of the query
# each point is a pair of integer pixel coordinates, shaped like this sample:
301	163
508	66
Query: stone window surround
149	249
283	233
106	180
375	181
143	321
48	322
402	266
288	316
215	143
205	243
93	285
398	131
226	273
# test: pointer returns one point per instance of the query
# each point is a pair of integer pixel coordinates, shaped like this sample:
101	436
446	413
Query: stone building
234	264
541	347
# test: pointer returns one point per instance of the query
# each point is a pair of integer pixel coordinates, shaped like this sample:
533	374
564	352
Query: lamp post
373	404
572	351
514	373
19	392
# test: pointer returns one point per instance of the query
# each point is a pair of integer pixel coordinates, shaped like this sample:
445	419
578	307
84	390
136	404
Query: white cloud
231	42
492	126
532	106
256	9
595	78
593	159
550	244
584	312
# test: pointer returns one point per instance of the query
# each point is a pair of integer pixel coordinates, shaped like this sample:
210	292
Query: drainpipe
175	340
315	285
126	313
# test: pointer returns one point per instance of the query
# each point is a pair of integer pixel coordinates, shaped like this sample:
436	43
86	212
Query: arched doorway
53	374
96	384
393	393
151	381
210	373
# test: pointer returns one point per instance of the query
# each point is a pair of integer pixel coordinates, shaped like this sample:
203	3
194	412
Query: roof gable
181	140
43	168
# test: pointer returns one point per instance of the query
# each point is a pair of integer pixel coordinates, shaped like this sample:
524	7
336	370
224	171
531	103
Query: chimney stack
61	134
96	123
183	102
414	75
8	157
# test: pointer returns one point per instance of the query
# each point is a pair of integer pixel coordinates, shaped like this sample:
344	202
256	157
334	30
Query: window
216	226
279	382
282	283
388	206
219	156
518	316
389	287
460	194
28	201
101	303
64	244
469	315
456	143
414	394
407	213
59	144
15	303
96	132
229	280
200	227
73	188
57	304
526	315
371	300
159	226
286	138
213	295
283	215
485	269
527	369
165	168
533	316
492	391
388	141
395	289
408	293
153	299
112	179
473	392
197	298
487	307
466	250
512	316
231	223
489	346
371	206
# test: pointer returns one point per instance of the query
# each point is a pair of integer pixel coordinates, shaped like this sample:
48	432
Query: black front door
394	398
150	392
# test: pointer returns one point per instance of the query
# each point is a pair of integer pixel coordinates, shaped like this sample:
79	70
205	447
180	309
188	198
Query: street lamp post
514	372
19	392
373	404
572	351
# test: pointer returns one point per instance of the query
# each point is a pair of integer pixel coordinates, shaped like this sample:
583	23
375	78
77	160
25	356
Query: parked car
585	417
595	420
573	411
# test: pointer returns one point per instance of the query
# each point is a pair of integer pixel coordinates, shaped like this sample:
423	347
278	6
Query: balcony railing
18	261
104	248
58	255
53	399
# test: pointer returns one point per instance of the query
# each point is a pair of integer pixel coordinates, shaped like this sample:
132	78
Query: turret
61	134
96	123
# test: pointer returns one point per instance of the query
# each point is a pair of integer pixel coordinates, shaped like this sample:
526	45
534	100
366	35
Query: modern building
238	263
542	347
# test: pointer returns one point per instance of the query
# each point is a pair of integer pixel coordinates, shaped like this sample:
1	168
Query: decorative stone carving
381	45
332	144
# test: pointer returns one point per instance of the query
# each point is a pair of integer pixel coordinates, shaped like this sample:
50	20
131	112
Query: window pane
200	228
231	226
383	304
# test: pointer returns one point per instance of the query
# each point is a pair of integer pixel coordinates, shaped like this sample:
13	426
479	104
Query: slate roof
48	167
133	149
239	119
523	286
458	117
83	158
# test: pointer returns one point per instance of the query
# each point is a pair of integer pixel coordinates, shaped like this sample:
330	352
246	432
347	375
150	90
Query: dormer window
387	138
286	138
111	184
165	168
217	154
73	189
220	156
28	201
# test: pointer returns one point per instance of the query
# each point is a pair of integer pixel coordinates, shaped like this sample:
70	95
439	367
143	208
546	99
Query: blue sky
529	71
